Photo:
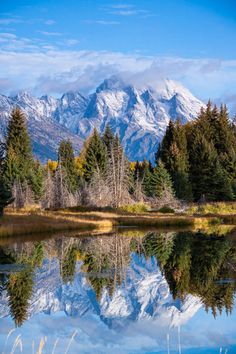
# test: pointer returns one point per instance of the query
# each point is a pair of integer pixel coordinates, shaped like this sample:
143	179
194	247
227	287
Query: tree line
200	156
195	162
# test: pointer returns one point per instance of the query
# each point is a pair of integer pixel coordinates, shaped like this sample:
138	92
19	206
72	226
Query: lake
131	291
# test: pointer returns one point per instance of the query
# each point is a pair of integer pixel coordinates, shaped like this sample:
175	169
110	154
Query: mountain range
144	295
139	115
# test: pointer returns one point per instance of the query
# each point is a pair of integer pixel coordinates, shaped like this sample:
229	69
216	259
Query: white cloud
47	33
50	22
130	12
126	10
71	42
41	68
102	22
122	6
10	20
7	35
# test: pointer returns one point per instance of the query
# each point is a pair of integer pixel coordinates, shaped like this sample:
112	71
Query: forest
195	162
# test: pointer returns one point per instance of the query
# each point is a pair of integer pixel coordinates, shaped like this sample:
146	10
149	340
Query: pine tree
95	157
163	148
66	160
36	180
147	176
209	180
160	181
225	144
209	153
5	191
19	158
108	138
174	154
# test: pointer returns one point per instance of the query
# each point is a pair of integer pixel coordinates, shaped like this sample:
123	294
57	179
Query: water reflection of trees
105	262
196	263
19	284
193	263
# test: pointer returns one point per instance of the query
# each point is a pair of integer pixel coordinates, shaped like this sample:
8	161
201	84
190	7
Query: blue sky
53	46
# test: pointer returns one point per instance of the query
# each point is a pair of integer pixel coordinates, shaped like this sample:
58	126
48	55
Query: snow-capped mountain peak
139	115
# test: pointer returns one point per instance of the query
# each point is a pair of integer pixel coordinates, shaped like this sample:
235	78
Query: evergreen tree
5	191
160	181
108	138
36	180
147	177
174	154
95	157
208	178
19	158
163	152
66	160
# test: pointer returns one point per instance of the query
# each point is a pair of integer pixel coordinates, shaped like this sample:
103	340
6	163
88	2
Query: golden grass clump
216	208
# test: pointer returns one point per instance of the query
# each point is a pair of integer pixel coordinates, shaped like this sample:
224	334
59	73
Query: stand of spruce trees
201	156
194	162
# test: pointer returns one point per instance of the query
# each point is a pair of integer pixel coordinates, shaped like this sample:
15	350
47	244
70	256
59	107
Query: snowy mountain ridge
144	295
139	115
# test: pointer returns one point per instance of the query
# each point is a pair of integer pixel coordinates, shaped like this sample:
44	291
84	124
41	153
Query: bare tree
48	197
22	194
118	176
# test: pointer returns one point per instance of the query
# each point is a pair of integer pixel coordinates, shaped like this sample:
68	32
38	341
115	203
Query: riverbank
36	221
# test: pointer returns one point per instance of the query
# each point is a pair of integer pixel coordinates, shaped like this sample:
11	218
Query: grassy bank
217	208
36	221
25	222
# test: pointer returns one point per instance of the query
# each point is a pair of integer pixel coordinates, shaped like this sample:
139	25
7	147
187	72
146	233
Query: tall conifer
66	160
19	158
174	154
95	157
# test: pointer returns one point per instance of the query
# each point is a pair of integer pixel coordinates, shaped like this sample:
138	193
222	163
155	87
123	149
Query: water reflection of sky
202	334
140	317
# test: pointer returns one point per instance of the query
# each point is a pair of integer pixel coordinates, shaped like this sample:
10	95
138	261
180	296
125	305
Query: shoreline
38	221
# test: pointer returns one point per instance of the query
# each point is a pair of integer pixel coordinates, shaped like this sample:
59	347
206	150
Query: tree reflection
198	264
19	284
68	264
192	263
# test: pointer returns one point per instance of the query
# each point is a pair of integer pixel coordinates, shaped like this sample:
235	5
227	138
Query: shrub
134	208
166	210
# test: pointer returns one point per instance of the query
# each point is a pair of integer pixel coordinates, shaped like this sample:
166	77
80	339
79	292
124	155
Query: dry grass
166	221
23	222
26	222
217	208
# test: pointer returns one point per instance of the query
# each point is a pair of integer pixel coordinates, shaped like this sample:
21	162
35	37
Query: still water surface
131	291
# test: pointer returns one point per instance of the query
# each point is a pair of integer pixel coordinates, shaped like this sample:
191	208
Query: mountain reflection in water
129	292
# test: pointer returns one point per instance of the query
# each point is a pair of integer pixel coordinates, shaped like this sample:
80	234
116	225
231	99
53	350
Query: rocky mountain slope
140	116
